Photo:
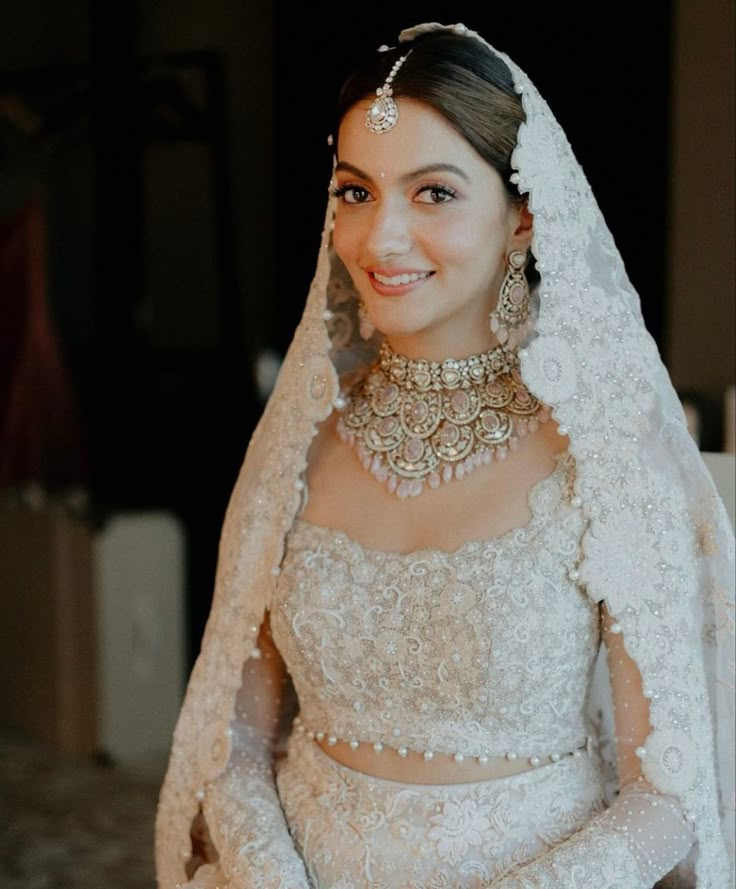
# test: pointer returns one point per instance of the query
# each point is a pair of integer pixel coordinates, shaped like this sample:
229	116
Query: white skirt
355	831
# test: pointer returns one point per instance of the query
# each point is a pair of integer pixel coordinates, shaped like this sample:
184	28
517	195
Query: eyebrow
344	166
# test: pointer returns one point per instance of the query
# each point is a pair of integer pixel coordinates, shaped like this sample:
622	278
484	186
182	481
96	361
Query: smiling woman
423	227
442	524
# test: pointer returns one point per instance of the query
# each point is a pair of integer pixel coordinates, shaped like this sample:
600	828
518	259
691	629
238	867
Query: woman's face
423	226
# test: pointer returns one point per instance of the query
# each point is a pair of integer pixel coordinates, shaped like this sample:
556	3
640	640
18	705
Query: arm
643	834
242	807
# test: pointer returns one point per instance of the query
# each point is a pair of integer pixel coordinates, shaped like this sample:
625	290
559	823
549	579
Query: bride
473	476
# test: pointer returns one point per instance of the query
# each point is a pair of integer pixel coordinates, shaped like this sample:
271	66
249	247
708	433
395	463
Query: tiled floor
68	822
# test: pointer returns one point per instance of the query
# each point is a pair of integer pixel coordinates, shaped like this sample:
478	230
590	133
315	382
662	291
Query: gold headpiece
383	113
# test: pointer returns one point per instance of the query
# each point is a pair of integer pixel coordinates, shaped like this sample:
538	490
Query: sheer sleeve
244	816
643	834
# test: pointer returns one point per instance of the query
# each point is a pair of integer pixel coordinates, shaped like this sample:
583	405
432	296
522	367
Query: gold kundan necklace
413	421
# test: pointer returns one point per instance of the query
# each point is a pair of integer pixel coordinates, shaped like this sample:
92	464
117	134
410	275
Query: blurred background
163	175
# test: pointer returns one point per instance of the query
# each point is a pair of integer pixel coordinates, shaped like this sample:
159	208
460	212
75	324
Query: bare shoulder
334	479
323	446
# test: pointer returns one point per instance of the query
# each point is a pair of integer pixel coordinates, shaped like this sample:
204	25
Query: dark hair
461	79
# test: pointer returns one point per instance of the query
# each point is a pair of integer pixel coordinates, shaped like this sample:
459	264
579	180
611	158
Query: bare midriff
413	768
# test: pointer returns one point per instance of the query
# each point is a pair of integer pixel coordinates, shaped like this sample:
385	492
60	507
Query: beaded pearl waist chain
517	761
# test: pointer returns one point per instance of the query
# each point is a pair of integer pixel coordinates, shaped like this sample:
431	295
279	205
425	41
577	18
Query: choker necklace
413	421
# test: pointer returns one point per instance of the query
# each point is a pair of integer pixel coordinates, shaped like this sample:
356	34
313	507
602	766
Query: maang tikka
512	308
383	113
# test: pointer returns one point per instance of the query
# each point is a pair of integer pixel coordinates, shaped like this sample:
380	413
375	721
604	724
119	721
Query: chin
402	321
399	330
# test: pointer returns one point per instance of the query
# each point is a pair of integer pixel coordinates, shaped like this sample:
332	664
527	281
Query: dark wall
184	170
150	153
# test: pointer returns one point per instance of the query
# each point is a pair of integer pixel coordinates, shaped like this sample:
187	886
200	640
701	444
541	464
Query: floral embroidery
670	761
459	826
320	381
609	566
430	653
549	369
356	831
215	745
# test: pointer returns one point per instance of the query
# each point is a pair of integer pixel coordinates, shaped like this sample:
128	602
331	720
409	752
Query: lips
394	282
403	278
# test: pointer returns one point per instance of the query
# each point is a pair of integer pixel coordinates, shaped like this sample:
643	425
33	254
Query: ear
523	223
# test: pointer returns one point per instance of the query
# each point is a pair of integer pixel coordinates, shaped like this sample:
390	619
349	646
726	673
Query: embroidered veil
658	547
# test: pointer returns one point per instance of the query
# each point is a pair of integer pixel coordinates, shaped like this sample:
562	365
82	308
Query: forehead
420	137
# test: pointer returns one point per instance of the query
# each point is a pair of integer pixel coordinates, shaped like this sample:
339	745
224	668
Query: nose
389	233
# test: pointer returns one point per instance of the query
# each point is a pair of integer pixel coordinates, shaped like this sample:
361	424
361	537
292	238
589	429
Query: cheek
467	239
345	239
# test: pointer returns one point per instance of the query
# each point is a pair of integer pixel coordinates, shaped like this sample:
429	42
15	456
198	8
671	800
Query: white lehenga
359	832
486	651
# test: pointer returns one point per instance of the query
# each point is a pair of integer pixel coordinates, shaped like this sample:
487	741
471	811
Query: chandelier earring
365	325
512	309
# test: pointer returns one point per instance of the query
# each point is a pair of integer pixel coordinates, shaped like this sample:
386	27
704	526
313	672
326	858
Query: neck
497	355
436	348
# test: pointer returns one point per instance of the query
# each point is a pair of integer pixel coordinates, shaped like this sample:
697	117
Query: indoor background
163	177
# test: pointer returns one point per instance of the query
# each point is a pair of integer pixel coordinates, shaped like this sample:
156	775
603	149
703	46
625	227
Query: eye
436	194
351	194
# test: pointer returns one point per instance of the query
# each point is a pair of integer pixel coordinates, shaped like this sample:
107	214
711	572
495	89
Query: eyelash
442	189
341	190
